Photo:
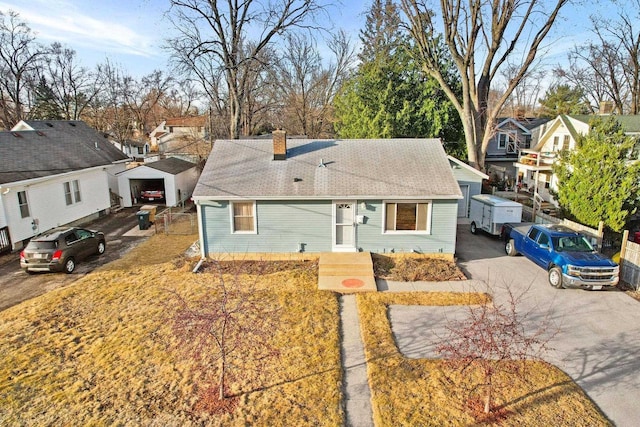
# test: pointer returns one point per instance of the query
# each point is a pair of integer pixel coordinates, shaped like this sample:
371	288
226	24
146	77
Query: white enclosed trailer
489	212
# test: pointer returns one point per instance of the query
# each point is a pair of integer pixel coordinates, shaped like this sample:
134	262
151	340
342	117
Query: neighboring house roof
385	168
629	123
53	147
172	165
135	143
192	121
460	164
525	124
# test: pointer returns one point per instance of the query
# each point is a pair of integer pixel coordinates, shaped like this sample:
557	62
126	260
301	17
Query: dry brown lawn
423	391
101	352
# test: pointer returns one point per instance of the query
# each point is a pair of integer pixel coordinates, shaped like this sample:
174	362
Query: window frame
233	217
23	204
428	216
72	194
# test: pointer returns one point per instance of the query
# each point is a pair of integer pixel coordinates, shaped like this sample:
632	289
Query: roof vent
40	133
49	124
96	145
16	134
297	179
322	164
72	124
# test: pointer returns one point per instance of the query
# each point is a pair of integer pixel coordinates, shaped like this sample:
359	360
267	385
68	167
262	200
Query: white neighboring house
52	173
175	177
535	165
178	128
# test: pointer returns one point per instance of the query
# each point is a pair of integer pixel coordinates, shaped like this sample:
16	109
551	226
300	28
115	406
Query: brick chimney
606	108
279	144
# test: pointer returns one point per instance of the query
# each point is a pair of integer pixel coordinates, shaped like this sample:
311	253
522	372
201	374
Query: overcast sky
131	32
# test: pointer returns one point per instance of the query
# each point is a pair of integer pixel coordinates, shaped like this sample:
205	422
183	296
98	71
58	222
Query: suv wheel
69	265
101	248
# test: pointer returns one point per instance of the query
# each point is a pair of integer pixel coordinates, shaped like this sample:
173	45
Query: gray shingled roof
50	150
172	165
388	168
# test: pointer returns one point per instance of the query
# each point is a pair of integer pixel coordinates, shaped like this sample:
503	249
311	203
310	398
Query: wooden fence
630	261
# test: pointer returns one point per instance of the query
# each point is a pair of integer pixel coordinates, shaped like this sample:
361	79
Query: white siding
47	206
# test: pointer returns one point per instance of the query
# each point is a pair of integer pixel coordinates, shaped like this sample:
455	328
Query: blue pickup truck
567	255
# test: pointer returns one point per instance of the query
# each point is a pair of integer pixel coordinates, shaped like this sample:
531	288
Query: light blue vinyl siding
282	225
442	239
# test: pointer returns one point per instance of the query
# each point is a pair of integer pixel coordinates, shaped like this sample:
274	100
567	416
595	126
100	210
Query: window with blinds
407	217
243	217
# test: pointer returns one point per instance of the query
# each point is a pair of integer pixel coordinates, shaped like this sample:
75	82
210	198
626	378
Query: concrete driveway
598	343
17	286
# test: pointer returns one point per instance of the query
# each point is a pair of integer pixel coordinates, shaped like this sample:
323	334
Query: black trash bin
143	220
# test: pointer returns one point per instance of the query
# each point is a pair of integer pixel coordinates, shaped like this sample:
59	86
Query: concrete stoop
346	272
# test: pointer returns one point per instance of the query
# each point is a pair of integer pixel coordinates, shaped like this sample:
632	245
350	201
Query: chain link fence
176	221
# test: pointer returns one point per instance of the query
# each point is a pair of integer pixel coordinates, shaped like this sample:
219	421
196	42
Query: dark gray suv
60	249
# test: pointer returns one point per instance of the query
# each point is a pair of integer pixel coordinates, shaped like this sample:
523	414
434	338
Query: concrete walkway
357	394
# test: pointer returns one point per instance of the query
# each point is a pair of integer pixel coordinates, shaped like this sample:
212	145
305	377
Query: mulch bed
412	269
256	267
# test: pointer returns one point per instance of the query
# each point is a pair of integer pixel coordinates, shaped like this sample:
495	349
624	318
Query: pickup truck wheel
474	229
555	277
510	248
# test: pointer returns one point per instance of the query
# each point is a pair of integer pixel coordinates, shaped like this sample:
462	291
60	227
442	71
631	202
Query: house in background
52	173
184	137
136	150
510	137
175	177
535	165
470	182
279	196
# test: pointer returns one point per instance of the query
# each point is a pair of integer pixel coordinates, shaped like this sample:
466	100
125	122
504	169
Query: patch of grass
101	352
425	392
412	268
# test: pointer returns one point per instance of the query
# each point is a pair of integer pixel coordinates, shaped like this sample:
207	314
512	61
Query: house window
556	143
244	217
407	217
23	204
503	139
140	150
72	192
507	141
565	142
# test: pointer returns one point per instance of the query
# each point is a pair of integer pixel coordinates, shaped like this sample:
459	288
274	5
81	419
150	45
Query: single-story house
470	182
386	195
52	173
175	177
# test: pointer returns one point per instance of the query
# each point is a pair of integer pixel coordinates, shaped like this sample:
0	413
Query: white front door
344	230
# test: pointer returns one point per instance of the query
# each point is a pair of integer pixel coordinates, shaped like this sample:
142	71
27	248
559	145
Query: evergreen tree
599	181
44	105
389	96
563	99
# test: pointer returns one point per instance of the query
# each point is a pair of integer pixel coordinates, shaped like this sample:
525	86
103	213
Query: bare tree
480	38
143	96
494	338
230	317
214	43
73	87
306	86
20	56
609	69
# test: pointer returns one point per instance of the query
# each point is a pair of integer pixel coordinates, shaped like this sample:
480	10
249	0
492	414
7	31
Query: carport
175	177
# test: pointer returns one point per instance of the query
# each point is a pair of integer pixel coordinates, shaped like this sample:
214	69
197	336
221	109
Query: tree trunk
221	375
